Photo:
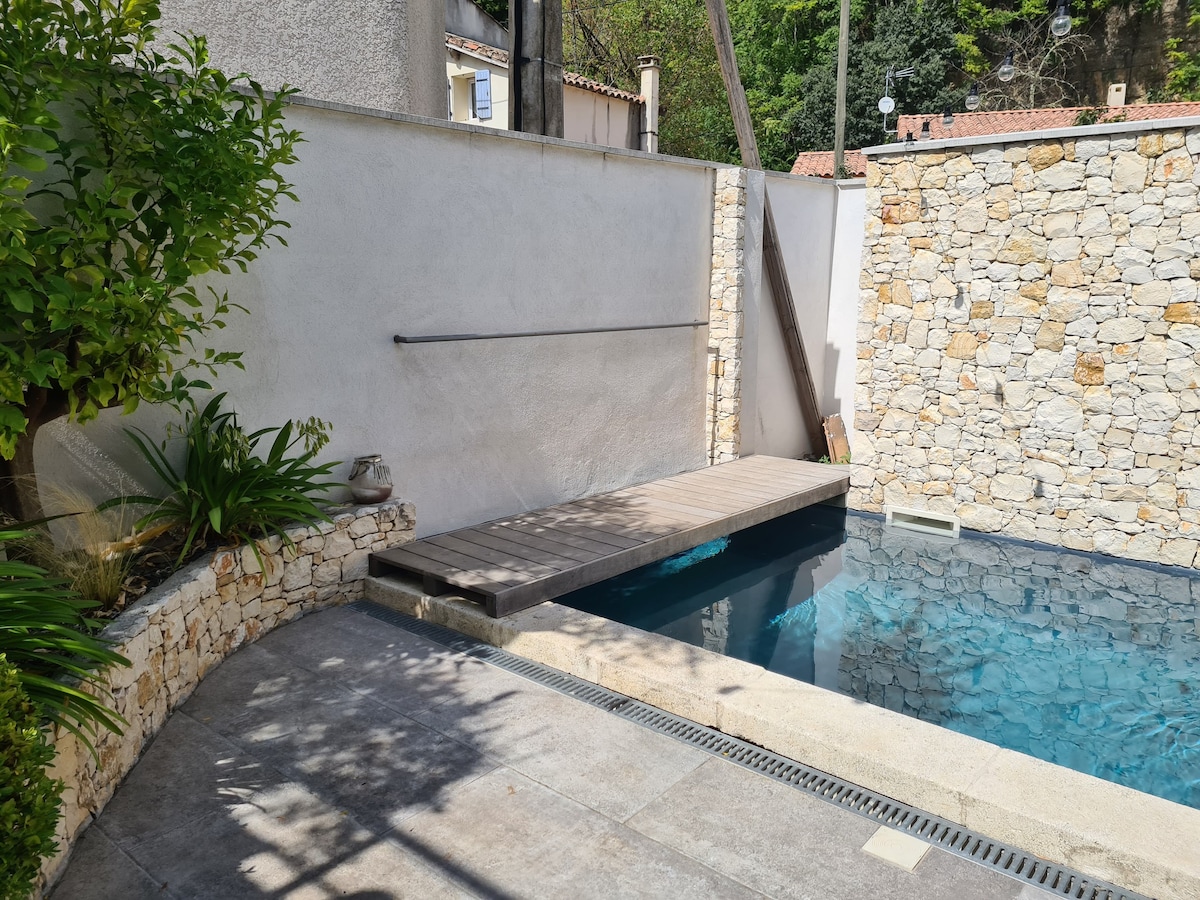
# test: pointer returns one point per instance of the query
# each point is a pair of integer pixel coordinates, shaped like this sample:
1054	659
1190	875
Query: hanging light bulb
972	101
1060	25
925	135
947	118
1007	70
908	141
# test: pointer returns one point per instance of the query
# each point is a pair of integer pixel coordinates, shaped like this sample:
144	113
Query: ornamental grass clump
227	492
29	798
60	660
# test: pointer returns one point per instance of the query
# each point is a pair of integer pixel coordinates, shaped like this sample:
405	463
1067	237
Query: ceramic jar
370	479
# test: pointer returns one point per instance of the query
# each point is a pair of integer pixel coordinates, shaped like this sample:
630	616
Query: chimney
650	72
1116	94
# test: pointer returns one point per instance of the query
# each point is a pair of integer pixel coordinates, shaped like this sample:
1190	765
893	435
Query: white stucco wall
382	54
425	229
803	210
593	118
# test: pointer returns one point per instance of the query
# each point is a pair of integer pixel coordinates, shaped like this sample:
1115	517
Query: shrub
46	636
28	796
225	490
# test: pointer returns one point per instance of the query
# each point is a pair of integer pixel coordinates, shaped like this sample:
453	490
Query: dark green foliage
1183	73
46	635
497	9
912	33
125	170
28	796
224	490
604	42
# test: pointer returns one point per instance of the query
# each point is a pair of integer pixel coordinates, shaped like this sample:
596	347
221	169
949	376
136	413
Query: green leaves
45	633
29	798
152	168
225	490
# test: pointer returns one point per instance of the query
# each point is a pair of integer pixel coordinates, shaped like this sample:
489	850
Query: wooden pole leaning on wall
718	20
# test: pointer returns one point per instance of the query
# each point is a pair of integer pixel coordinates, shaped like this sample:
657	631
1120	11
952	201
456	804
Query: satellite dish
886	105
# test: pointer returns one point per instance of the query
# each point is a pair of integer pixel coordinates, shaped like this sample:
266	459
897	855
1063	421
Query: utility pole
781	290
535	67
839	116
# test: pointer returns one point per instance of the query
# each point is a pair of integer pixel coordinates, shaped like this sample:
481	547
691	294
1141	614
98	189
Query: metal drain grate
948	836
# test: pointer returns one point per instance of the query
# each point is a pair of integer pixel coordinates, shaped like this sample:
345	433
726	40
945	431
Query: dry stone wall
1029	339
180	631
723	407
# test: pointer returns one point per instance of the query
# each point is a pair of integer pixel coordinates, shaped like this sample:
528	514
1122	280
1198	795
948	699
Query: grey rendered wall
804	211
381	54
467	20
427	229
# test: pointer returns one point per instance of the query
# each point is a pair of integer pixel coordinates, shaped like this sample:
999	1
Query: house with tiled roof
819	163
593	113
1014	121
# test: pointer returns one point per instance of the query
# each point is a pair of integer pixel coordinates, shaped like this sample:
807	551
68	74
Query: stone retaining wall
723	406
1029	338
184	628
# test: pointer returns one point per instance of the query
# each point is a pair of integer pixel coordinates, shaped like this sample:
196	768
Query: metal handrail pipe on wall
441	338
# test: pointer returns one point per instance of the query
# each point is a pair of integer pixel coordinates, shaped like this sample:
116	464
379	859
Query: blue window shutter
483	94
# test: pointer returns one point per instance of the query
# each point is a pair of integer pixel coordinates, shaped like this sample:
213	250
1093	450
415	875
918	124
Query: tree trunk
19	499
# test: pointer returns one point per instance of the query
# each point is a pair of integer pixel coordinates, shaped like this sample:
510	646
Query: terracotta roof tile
1011	121
454	42
820	163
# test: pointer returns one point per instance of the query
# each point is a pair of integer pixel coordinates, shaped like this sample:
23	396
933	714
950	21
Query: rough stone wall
1028	340
723	406
184	628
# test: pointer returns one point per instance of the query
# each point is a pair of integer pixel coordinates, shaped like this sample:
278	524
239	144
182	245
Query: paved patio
345	757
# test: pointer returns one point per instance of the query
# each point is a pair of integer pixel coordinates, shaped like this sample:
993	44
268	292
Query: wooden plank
486	556
781	291
404	558
537	536
564	528
573	520
518	598
519	546
519	561
503	577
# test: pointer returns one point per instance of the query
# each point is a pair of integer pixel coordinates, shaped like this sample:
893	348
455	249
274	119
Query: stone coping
1135	840
200	615
898	148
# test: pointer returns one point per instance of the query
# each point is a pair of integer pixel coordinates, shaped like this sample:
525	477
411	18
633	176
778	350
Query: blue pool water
1080	660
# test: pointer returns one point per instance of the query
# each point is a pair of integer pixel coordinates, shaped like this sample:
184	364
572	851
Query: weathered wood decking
519	561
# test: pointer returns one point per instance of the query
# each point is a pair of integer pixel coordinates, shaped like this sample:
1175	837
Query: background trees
124	174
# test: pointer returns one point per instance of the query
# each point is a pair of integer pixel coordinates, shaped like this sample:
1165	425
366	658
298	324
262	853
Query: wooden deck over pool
519	561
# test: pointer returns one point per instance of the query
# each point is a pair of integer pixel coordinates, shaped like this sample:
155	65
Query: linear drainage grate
949	836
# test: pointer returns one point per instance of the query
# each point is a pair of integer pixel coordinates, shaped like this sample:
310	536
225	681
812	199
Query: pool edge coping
1141	842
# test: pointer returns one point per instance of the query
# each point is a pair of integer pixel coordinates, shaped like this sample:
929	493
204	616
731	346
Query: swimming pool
1079	660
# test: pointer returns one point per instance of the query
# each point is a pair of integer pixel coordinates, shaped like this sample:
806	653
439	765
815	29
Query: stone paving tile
286	843
613	766
99	870
389	665
293	772
788	845
518	838
189	770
